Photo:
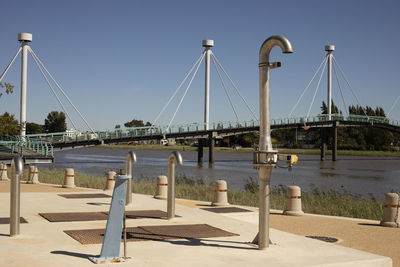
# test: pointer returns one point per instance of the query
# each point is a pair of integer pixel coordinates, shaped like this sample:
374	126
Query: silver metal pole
173	159
207	44
329	49
17	169
24	38
130	159
268	156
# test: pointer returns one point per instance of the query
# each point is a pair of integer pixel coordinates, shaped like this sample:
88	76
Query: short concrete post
293	201
69	180
220	194
33	175
3	172
162	187
391	211
110	183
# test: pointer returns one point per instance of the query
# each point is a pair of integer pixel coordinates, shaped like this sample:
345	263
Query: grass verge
317	202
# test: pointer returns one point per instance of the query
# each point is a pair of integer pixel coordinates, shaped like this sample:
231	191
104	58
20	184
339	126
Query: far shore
365	153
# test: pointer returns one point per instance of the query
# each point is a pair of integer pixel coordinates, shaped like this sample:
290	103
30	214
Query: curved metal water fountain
265	157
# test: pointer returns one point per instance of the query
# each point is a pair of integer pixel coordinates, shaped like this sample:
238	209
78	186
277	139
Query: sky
122	60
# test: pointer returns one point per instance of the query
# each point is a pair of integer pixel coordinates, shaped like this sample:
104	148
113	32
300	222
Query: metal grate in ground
6	220
72	196
143	233
226	209
95	216
74	216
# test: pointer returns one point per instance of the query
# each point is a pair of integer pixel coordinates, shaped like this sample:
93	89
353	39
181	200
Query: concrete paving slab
42	243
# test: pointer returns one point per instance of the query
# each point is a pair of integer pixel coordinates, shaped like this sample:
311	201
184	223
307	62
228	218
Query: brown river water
357	175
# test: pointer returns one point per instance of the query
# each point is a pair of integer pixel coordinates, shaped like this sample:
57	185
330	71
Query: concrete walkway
42	243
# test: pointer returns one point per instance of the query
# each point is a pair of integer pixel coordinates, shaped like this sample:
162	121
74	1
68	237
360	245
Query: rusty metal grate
226	209
95	216
74	216
142	233
324	238
73	196
6	220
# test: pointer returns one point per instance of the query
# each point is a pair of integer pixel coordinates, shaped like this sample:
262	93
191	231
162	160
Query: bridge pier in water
211	144
200	149
323	143
334	140
200	152
324	138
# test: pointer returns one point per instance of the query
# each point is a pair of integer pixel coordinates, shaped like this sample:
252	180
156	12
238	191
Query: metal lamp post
266	157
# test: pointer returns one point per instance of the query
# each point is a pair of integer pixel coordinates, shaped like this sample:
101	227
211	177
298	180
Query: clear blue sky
120	60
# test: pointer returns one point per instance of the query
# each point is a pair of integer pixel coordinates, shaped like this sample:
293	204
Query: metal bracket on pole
110	250
17	169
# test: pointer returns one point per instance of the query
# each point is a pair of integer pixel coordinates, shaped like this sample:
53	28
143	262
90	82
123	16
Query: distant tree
33	128
55	122
334	108
117	126
9	88
136	123
8	125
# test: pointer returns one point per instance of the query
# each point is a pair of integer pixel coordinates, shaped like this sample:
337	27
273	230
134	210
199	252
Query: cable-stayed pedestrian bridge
44	143
199	130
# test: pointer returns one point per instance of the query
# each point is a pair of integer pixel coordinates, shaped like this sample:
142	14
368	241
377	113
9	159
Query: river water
357	175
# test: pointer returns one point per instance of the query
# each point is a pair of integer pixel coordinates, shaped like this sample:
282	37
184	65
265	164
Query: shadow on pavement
73	254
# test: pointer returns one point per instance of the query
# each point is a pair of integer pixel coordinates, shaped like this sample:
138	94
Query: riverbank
366	153
316	202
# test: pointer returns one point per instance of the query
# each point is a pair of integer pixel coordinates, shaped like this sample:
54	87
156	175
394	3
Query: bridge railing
20	146
80	136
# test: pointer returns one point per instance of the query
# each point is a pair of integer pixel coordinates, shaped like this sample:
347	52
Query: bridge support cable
348	84
198	62
62	91
225	89
235	87
183	97
308	85
9	65
52	89
340	89
394	104
316	90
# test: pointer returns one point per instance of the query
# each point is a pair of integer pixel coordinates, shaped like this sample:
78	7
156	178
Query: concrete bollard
33	175
162	187
110	180
293	201
3	172
391	211
69	180
220	194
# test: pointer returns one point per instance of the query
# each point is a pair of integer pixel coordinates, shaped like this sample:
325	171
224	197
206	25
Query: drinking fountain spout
264	68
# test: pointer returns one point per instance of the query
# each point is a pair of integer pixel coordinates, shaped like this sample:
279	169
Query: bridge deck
28	155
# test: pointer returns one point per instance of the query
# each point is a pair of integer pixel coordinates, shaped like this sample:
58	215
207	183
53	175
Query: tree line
349	138
55	122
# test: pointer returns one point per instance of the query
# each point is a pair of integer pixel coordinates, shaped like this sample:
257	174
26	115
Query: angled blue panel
110	250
